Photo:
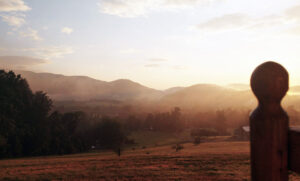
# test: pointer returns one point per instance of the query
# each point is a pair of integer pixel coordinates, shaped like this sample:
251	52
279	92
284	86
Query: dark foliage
198	134
109	134
202	132
197	140
166	122
23	116
178	147
28	129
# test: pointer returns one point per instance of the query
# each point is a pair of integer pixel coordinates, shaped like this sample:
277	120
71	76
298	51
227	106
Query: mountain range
200	96
83	88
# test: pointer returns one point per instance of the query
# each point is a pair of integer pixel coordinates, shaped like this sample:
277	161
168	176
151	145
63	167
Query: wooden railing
275	148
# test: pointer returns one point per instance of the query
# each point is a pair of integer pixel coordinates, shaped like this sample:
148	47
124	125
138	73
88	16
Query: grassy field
152	139
206	161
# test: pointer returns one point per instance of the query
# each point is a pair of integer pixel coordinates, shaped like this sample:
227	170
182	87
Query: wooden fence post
269	124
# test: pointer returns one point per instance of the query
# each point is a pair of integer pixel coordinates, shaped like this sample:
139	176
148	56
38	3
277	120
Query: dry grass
207	161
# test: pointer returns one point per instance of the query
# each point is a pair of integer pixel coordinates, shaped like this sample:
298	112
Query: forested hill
199	96
60	87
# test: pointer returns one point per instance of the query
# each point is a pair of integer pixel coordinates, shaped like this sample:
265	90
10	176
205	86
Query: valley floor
206	161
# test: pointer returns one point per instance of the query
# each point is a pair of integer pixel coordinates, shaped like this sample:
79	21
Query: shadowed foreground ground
207	161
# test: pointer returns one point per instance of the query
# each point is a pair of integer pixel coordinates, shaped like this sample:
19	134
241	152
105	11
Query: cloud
238	21
176	67
51	52
179	67
19	62
158	60
267	22
125	8
227	21
31	33
292	16
294	30
13	12
186	3
13	20
152	65
13	6
293	13
135	8
129	51
67	30
288	21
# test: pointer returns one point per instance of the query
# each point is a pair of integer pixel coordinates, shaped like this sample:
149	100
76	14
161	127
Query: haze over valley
197	97
149	90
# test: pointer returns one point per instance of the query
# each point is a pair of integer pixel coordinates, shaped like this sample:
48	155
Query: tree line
29	128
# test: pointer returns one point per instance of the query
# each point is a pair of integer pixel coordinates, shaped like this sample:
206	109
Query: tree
149	121
67	135
27	129
109	134
199	134
22	113
177	124
132	123
166	121
220	123
15	100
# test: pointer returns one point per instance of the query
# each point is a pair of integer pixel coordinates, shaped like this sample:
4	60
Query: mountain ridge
61	87
198	96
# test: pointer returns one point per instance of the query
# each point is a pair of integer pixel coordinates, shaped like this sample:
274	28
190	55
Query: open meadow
206	161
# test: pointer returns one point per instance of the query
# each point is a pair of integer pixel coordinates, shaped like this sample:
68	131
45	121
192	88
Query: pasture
207	161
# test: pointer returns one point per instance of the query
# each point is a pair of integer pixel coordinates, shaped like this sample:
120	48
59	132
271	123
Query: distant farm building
242	133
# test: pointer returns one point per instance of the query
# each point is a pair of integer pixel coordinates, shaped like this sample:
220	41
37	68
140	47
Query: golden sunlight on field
207	161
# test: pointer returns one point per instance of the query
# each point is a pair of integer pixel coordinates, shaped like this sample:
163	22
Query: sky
157	43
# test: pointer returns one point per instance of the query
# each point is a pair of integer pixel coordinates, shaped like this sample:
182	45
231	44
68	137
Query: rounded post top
270	82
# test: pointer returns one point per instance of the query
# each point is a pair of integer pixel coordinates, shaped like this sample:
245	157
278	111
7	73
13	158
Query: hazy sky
158	43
